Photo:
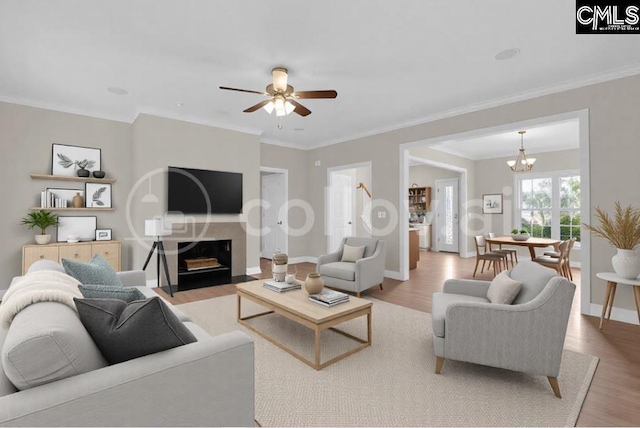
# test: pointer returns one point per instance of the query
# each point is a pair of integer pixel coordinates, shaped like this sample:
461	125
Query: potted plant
519	235
623	232
42	220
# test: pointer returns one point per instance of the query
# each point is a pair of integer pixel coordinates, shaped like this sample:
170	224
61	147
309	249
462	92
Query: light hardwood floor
614	397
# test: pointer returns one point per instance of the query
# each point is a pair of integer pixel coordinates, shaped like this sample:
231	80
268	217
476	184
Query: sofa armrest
370	270
206	383
468	287
132	278
330	258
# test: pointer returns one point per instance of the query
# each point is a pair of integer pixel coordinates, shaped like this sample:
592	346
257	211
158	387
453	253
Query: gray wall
26	135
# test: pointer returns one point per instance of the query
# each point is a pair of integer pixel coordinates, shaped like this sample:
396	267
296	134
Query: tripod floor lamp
157	229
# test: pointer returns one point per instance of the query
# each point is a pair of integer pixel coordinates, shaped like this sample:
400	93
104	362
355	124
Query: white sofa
206	383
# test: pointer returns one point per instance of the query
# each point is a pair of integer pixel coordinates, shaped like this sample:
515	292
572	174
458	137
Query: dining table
532	243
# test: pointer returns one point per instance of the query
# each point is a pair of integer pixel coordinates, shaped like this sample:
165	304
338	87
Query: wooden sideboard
81	251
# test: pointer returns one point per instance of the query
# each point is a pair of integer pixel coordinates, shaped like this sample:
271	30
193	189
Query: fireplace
204	263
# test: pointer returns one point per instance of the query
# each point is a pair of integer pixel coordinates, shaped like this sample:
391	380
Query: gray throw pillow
128	294
503	289
96	271
352	254
126	331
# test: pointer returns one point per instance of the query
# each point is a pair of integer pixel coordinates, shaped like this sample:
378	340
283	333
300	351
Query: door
341	209
447	215
273	193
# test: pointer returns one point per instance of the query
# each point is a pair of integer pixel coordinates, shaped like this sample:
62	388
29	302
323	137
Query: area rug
391	383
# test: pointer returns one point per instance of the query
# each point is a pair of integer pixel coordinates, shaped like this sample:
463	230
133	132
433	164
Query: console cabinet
81	251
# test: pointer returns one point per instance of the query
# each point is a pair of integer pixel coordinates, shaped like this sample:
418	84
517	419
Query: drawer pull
106	253
75	255
41	256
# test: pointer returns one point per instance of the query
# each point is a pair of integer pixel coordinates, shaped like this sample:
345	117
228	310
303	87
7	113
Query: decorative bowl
520	236
99	174
83	172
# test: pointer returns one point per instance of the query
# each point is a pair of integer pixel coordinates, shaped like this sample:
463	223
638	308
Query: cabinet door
110	252
79	253
33	253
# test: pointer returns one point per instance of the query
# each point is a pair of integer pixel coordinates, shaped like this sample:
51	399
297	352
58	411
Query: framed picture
98	195
66	160
492	204
66	194
103	235
84	228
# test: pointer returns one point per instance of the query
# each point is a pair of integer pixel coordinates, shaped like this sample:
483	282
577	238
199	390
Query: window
548	204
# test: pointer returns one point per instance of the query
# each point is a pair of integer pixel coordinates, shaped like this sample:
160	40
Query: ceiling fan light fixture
269	107
288	107
279	79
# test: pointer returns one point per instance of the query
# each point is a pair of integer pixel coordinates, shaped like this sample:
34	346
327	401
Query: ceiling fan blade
300	109
257	106
316	94
243	90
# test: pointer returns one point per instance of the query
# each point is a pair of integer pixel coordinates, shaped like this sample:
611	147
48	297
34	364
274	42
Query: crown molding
283	144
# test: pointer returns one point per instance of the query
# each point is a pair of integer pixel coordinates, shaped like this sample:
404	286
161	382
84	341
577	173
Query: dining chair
557	263
495	259
508	251
567	263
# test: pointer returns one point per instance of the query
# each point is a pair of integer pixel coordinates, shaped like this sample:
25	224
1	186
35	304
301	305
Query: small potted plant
519	235
42	220
623	232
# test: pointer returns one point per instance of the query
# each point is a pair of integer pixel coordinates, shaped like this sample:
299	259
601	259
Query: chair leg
476	268
358	294
512	262
516	254
381	287
554	385
483	262
569	270
439	362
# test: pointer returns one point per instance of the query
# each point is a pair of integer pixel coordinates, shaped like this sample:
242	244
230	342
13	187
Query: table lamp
156	228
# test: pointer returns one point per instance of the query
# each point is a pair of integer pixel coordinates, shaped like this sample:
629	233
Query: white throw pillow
503	289
351	254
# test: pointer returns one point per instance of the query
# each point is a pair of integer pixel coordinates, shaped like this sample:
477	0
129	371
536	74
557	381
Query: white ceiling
545	138
393	63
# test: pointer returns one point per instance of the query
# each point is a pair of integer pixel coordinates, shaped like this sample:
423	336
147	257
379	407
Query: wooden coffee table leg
317	359
369	326
238	319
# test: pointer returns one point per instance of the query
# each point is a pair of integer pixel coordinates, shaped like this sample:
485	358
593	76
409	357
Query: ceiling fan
282	97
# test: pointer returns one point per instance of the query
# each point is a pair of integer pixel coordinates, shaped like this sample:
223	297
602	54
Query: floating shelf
65	178
71	209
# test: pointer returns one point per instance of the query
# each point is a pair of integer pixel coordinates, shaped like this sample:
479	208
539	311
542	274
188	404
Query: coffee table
296	306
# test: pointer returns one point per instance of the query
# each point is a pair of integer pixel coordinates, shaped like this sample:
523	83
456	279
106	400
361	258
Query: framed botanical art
492	204
81	228
103	235
67	160
97	195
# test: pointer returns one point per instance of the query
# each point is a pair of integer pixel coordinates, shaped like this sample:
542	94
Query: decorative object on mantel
74	160
520	235
98	195
314	283
156	228
279	266
492	204
83	227
78	200
522	163
623	232
42	220
103	235
99	174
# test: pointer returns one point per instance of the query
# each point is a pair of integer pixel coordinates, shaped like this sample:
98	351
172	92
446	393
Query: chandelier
522	163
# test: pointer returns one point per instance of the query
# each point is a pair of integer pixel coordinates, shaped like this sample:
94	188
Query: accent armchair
526	336
359	276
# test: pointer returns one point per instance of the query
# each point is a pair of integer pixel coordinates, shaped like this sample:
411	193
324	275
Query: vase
99	174
78	201
314	283
83	172
626	263
43	239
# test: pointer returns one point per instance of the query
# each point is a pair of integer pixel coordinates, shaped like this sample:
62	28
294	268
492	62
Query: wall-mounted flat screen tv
188	191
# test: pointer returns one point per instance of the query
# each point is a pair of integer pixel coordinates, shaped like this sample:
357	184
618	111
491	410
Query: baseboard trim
468	255
617	314
393	274
254	270
303	259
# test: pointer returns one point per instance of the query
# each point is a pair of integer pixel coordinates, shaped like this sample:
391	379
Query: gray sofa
526	336
206	383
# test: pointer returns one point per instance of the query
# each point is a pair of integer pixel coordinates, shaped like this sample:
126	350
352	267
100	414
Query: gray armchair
359	276
526	336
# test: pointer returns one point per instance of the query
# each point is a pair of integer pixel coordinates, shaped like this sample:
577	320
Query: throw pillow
128	294
503	289
351	254
124	331
96	271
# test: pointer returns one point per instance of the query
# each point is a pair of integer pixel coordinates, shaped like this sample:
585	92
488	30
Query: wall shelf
77	179
71	209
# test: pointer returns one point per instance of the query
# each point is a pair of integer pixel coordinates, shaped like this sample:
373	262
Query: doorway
447	215
348	203
274	211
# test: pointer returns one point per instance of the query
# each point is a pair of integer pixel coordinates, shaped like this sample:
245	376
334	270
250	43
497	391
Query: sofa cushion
439	304
45	343
352	254
96	271
128	294
534	278
370	244
46	265
149	293
126	331
503	289
340	270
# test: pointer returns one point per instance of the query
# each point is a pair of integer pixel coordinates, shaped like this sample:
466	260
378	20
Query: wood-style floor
614	397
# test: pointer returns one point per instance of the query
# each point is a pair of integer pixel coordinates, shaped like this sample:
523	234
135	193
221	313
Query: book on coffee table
320	302
329	297
281	287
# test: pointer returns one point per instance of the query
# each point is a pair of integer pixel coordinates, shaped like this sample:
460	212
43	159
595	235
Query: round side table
612	281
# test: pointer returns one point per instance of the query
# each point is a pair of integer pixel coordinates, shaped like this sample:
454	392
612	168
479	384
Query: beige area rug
391	383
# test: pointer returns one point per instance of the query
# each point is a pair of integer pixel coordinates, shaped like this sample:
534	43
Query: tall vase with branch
623	232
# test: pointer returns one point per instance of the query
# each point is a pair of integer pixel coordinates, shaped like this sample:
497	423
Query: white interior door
341	212
447	221
273	192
